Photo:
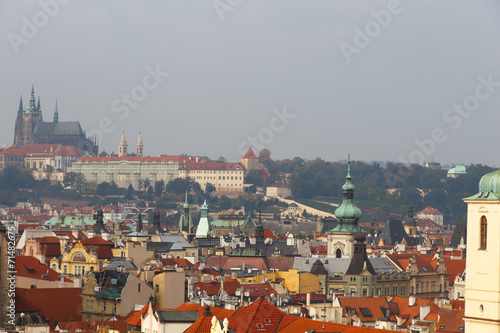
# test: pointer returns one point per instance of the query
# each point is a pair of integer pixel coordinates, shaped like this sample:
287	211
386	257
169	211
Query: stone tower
185	223
27	120
139	147
482	287
250	161
123	147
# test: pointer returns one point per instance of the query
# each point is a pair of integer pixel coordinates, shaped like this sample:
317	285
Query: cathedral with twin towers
31	129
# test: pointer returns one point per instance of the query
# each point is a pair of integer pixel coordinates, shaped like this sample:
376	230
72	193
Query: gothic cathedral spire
56	114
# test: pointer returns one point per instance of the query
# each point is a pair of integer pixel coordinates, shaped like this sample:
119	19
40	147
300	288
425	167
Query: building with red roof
365	311
32	273
12	157
426	226
43	248
123	170
226	177
262	316
250	161
431	214
426	280
35	305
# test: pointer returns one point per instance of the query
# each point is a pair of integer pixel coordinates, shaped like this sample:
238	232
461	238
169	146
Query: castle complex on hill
31	129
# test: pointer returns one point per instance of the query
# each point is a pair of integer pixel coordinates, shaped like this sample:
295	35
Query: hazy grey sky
234	67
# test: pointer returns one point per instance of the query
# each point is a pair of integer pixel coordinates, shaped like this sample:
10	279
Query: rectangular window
484	233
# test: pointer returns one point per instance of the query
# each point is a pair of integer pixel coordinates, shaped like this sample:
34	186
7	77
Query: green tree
129	195
159	187
224	202
102	188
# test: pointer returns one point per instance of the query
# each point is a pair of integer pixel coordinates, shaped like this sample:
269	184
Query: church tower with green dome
341	239
482	287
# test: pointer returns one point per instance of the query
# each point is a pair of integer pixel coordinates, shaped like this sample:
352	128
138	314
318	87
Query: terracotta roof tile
67	307
450	321
31	267
250	155
430	210
255	317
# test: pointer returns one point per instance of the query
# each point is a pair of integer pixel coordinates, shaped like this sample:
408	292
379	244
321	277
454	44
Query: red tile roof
457	304
450	321
23	226
407	311
178	261
67	307
403	260
454	267
258	289
250	154
31	267
76	326
213	166
213	288
280	263
259	316
204	322
35	218
157	159
268	233
41	149
430	210
68	151
101	246
373	304
14	151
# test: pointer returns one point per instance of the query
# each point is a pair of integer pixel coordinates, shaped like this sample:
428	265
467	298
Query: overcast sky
304	78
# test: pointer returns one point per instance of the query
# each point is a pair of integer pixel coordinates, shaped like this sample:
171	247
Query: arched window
338	253
484	233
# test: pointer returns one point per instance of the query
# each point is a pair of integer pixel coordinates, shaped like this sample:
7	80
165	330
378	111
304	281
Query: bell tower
482	286
123	147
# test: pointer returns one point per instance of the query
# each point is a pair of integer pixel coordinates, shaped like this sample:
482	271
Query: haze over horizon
296	77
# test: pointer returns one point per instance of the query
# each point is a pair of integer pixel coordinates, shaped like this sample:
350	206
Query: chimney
424	311
234	276
61	281
308	300
225	323
411	300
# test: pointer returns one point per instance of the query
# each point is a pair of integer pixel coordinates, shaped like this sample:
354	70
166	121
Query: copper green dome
489	187
347	213
490	182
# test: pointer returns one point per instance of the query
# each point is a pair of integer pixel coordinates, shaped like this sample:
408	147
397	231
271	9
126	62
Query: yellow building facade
482	287
300	283
77	261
